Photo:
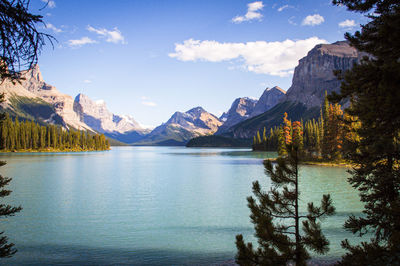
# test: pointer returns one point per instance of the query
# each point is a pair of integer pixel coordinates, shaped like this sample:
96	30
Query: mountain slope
99	118
62	103
269	98
181	127
34	99
312	77
271	118
240	110
314	74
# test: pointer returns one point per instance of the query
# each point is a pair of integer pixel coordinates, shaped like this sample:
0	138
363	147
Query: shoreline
48	150
317	163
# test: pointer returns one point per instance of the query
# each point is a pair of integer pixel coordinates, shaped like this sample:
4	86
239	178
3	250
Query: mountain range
34	99
312	77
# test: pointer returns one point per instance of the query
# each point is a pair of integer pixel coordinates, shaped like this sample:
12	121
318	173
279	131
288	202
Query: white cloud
50	3
87	81
80	42
347	23
252	12
148	103
291	21
53	28
284	7
273	58
313	20
113	36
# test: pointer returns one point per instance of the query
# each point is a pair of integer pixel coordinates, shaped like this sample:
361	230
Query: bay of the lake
149	205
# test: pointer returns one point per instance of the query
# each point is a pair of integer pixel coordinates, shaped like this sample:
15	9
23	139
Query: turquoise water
148	205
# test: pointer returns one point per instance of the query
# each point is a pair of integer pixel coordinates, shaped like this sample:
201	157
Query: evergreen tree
258	137
276	217
264	135
21	42
373	86
6	249
282	151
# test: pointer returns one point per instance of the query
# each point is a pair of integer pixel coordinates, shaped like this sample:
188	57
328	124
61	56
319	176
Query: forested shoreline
322	140
28	136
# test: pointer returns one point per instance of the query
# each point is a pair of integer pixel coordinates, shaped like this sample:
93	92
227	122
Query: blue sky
151	58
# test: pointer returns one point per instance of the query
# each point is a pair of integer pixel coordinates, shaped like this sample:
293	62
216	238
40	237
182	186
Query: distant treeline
321	138
27	135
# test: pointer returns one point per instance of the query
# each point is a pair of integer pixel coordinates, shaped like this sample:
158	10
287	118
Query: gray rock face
81	113
240	110
181	127
196	119
268	99
314	74
312	77
34	87
98	117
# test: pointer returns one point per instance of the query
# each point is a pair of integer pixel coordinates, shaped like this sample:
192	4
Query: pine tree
276	217
282	151
6	249
264	135
258	137
374	87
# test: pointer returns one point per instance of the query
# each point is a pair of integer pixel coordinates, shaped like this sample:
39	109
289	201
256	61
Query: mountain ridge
183	126
312	77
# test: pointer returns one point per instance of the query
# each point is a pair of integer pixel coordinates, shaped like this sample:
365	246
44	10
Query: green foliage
28	135
6	249
32	109
258	138
276	218
273	117
21	42
322	139
373	88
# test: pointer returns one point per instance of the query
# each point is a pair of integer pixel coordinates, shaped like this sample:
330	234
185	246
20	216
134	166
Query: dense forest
322	138
30	136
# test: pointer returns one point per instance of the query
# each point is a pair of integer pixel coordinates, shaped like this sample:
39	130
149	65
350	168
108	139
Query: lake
149	205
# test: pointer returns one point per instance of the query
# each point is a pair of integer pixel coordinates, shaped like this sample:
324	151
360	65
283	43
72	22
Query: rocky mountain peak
34	73
338	49
268	99
240	110
314	74
97	116
182	126
273	89
196	112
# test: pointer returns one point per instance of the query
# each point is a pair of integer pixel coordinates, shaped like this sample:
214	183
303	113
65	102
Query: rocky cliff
96	115
312	77
33	96
314	74
34	99
245	108
181	127
269	98
240	110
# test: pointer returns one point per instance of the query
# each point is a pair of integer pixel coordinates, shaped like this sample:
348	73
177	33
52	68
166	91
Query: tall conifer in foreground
276	218
373	86
6	249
